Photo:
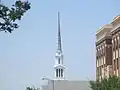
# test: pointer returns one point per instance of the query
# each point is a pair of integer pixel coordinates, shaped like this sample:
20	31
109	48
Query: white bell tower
59	68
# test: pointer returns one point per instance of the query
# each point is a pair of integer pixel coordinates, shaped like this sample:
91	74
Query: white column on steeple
59	68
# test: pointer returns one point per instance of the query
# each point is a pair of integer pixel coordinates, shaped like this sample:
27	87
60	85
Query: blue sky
28	53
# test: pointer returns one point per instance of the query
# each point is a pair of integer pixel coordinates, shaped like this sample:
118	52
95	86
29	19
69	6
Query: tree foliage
8	16
111	83
32	88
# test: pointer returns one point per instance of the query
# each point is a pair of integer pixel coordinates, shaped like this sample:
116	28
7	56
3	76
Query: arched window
56	72
58	60
61	72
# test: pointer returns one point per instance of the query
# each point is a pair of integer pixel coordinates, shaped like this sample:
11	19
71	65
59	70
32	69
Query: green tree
32	88
9	16
111	83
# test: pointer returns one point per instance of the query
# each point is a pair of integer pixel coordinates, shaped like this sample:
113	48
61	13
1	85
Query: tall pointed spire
59	68
59	35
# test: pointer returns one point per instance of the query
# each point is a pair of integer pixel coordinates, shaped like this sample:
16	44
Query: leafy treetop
111	83
8	16
32	88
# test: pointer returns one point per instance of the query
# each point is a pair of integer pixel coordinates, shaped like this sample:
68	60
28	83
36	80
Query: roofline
103	27
115	18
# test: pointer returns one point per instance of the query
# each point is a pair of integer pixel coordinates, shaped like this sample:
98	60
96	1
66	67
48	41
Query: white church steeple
59	68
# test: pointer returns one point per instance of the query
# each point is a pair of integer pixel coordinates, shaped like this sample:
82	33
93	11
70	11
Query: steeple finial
59	35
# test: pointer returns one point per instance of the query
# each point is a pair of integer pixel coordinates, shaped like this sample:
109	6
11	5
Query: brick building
108	49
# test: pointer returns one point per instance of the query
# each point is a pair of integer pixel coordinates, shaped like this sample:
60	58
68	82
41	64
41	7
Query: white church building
60	82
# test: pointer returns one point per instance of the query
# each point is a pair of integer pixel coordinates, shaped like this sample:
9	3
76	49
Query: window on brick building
114	64
100	71
117	63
